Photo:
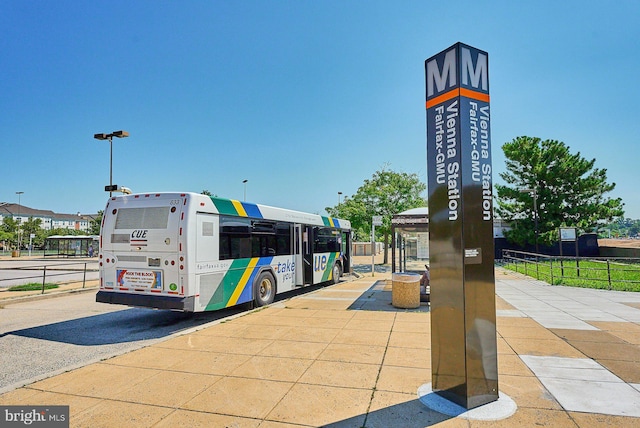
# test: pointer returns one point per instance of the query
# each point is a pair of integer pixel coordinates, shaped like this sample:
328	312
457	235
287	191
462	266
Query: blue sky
304	99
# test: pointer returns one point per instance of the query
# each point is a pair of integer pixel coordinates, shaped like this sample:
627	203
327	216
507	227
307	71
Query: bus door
346	252
298	258
307	254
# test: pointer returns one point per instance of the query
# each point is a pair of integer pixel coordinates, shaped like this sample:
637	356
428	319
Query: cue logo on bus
139	234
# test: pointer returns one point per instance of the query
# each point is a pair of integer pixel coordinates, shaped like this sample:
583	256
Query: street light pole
118	134
535	216
110	164
533	192
339	194
245	190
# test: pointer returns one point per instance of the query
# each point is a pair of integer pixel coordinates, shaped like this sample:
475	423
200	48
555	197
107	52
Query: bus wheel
264	289
337	273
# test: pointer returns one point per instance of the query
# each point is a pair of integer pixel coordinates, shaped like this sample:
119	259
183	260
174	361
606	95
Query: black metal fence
21	273
594	272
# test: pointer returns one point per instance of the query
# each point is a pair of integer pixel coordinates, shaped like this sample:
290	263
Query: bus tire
337	273
264	289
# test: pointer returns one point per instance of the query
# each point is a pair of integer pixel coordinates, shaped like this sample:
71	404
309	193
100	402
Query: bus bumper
185	304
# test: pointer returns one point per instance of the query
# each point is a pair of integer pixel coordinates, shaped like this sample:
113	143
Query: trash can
15	253
405	291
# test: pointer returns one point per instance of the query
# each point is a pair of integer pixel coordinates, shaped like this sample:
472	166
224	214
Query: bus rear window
142	218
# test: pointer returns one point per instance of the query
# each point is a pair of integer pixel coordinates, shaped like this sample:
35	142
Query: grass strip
33	286
584	273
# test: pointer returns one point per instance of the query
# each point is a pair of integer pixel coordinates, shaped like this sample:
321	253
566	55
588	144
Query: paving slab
408	357
583	385
365	354
393	409
125	414
629	371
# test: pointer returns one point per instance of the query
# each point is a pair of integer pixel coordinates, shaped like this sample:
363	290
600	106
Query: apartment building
49	219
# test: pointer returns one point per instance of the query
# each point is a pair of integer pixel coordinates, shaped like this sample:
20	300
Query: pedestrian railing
621	274
20	273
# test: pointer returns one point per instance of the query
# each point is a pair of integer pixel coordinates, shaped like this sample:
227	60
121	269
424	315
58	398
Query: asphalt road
42	338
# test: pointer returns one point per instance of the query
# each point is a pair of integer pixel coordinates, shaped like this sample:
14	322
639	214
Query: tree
9	230
5	239
626	227
569	191
32	226
64	232
385	194
94	225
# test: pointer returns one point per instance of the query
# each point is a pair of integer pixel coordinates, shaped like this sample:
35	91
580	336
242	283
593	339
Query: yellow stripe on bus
243	281
238	206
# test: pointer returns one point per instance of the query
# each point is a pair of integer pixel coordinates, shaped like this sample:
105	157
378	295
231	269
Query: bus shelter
71	246
410	240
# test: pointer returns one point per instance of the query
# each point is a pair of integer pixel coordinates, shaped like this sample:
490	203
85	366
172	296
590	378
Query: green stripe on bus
224	206
327	273
229	283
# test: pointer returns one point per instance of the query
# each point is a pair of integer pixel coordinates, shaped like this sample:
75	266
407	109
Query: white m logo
478	74
440	79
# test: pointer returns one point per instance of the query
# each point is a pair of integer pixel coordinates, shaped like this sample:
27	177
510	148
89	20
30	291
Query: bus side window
235	238
283	239
263	246
245	238
225	247
325	240
241	247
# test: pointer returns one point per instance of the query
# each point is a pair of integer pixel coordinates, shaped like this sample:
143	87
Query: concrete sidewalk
344	357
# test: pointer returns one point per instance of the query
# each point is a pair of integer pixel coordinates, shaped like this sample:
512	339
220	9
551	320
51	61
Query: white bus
191	252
